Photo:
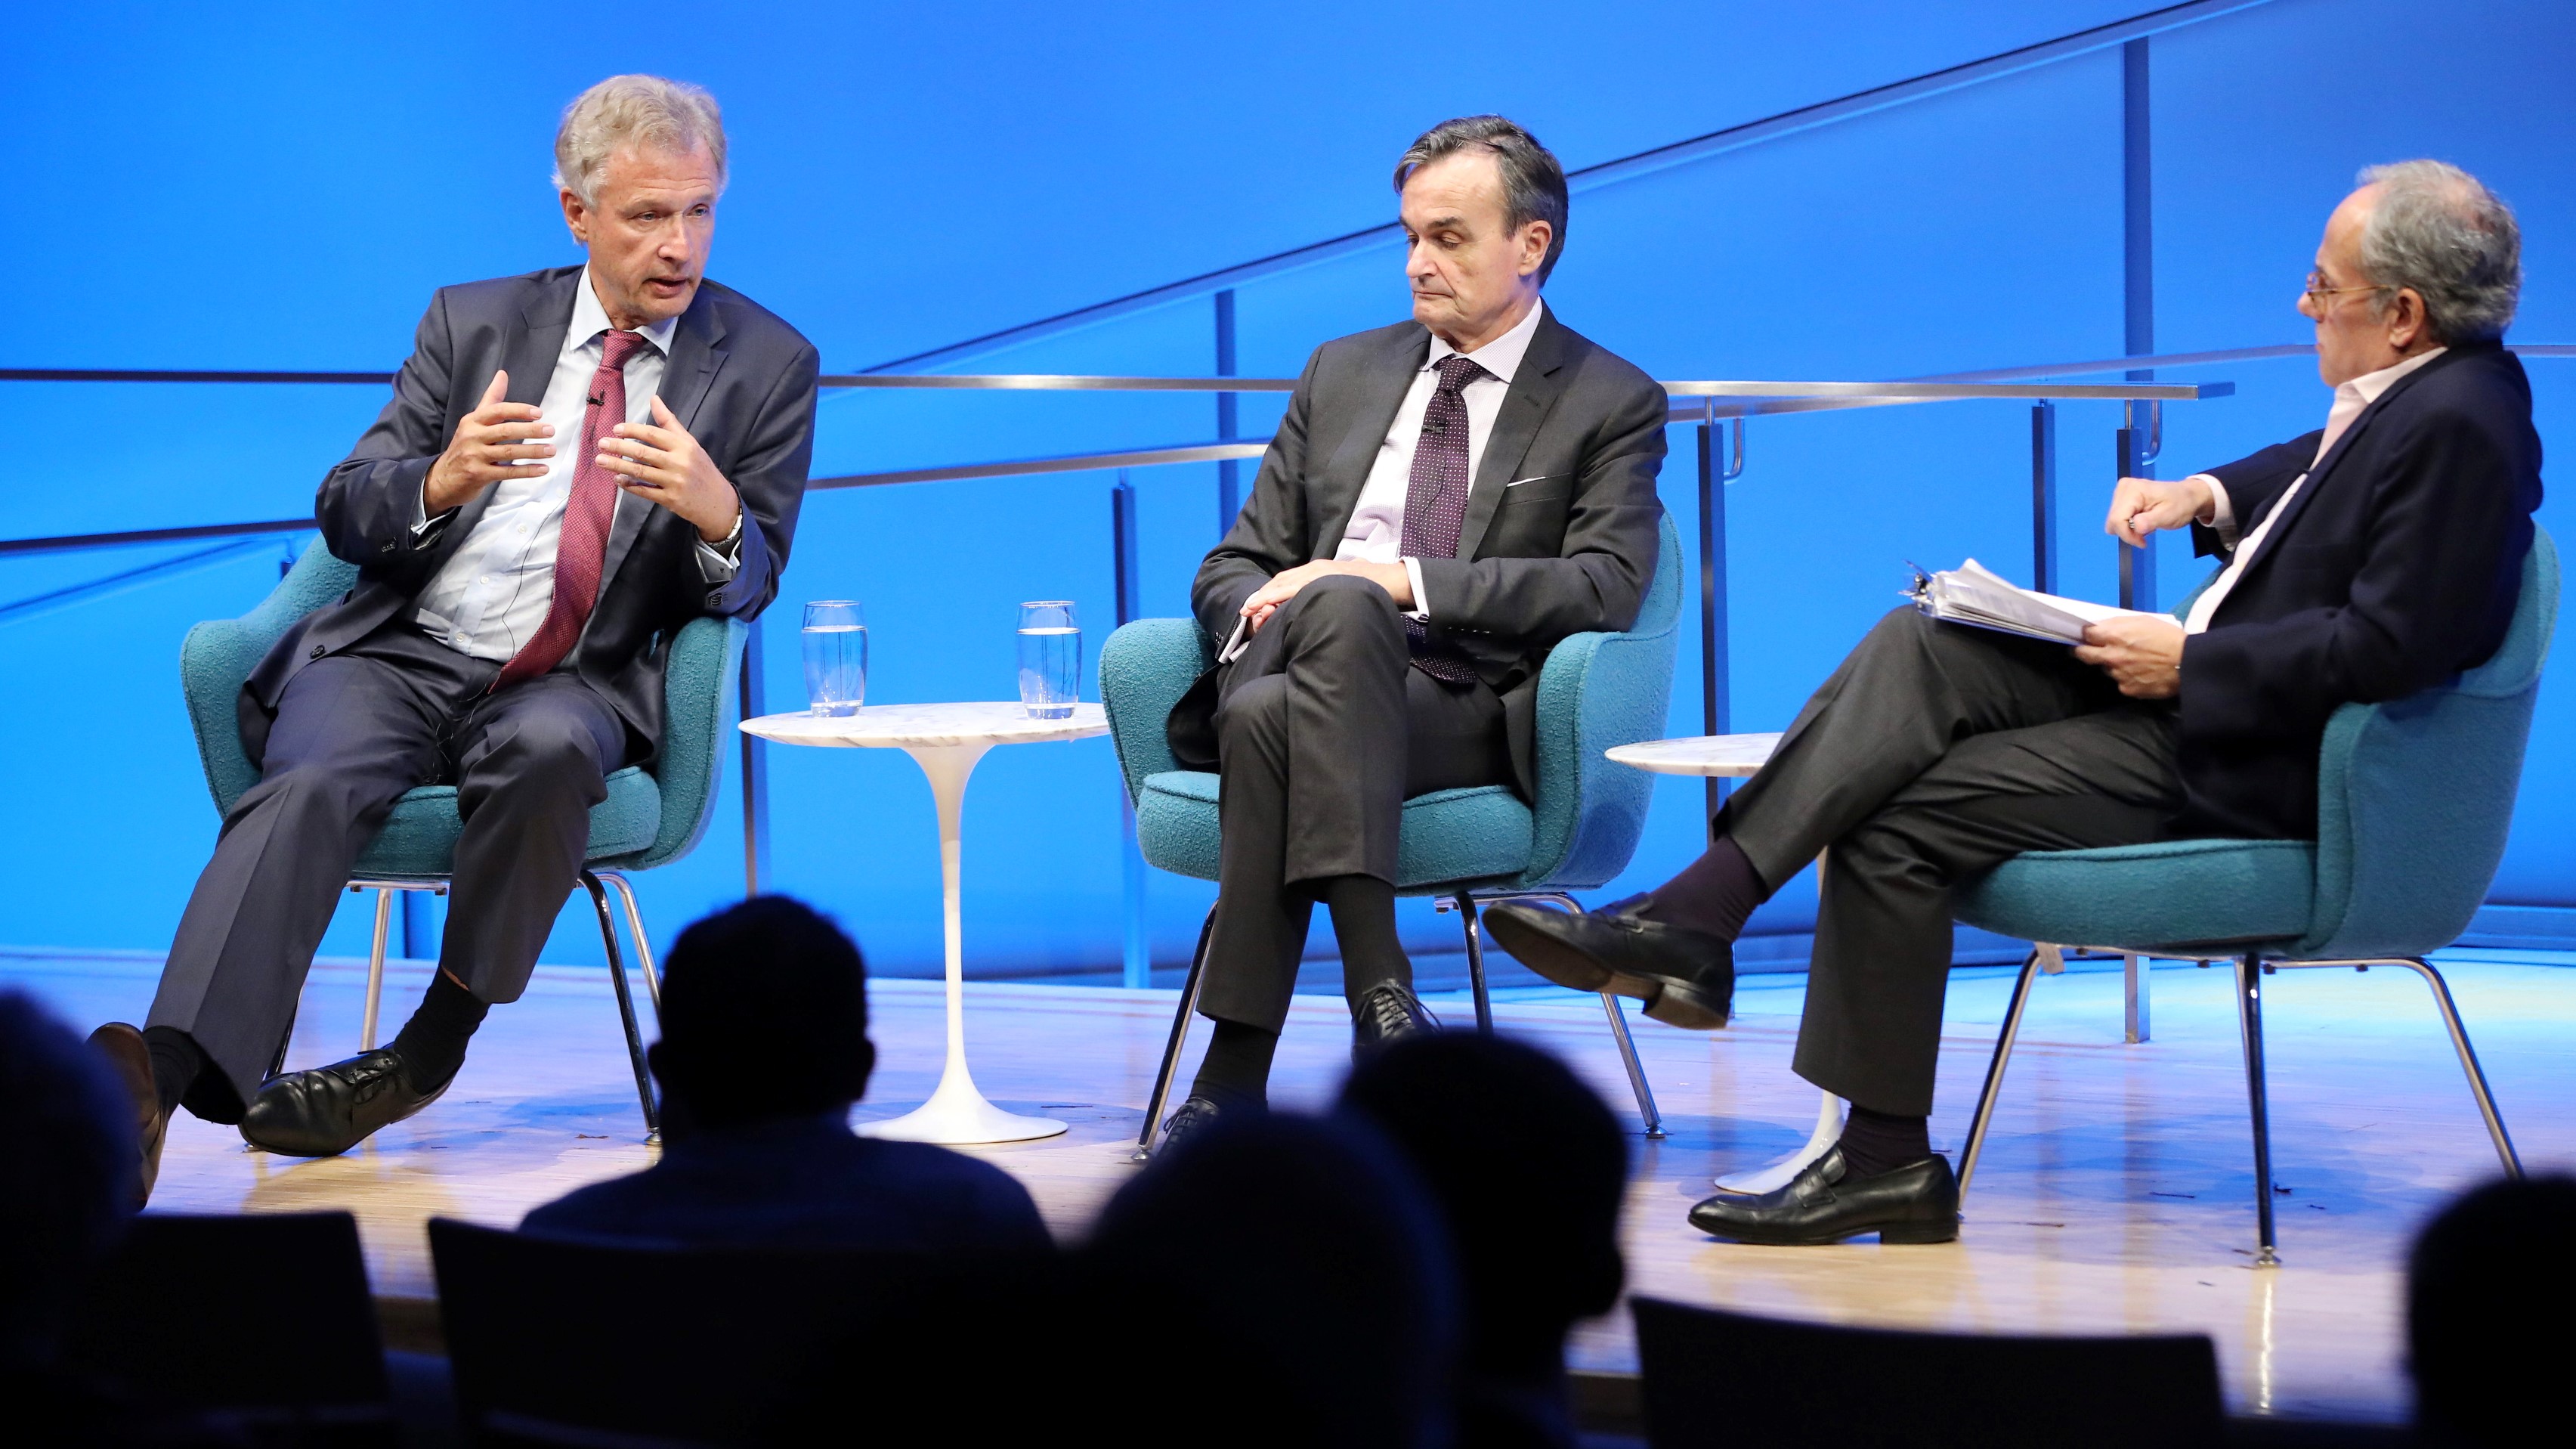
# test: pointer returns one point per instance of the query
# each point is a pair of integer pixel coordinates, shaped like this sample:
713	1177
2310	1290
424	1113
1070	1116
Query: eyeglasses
2319	292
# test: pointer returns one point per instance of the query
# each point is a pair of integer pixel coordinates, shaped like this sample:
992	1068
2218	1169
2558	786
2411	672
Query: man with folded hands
2369	560
1444	501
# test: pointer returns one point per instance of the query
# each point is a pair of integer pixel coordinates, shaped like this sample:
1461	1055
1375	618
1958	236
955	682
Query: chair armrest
700	707
1145	668
217	658
1596	693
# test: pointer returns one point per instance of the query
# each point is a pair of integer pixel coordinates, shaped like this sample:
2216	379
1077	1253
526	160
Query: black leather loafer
1386	1014
131	1057
1916	1203
328	1110
1685	977
1193	1116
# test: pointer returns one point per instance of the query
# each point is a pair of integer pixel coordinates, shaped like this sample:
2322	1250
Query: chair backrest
1596	693
565	1341
699	703
194	1312
2416	796
1712	1378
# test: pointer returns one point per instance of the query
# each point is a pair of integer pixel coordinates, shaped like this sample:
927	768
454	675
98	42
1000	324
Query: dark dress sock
1363	910
432	1043
1876	1142
1236	1070
1713	894
176	1061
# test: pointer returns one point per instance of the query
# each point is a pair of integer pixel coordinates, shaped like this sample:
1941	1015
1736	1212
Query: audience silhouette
1528	1167
764	1047
2488	1328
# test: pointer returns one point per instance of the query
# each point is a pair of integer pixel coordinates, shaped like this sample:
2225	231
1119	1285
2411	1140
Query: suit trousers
352	732
1936	752
1324	730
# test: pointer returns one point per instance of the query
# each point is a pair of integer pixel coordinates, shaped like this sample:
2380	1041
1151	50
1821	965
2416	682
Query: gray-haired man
2368	560
1444	501
575	463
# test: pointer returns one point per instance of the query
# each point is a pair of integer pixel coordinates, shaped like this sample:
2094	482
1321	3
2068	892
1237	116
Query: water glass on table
1050	658
836	656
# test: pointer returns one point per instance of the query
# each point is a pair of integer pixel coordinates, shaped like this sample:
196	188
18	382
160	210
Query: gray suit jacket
1561	520
739	379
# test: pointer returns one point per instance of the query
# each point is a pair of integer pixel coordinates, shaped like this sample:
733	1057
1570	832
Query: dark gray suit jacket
739	379
1562	516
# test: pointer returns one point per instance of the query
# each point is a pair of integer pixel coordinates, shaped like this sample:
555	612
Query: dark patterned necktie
581	548
1435	502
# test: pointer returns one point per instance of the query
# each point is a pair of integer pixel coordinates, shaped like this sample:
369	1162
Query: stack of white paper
1973	594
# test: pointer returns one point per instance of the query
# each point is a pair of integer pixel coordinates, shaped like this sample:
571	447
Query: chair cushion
2171	893
419	838
1450	836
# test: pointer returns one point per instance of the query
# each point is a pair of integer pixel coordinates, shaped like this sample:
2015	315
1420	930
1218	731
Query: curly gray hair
634	110
2438	229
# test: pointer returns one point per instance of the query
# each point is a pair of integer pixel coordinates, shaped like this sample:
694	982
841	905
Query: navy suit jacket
2395	568
805	1182
739	380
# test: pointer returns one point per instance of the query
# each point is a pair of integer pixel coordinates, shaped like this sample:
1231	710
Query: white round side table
946	740
1737	757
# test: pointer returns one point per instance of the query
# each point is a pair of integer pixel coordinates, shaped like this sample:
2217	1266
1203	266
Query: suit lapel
1346	472
2325	466
1536	386
528	355
697	352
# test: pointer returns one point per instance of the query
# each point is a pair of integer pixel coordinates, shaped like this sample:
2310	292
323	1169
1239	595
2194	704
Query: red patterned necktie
1435	502
582	545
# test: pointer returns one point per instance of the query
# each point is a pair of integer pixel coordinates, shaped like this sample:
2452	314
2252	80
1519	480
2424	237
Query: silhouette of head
1301	1269
764	1016
2487	1327
1528	1167
66	1182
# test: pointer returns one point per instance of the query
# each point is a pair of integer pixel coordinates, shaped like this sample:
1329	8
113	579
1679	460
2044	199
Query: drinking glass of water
1050	658
836	656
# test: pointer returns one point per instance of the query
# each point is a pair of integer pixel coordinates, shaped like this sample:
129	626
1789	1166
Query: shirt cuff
719	562
2222	513
1421	601
422	525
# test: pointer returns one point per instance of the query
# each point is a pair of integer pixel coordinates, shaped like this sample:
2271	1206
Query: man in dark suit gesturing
2369	560
1444	501
575	463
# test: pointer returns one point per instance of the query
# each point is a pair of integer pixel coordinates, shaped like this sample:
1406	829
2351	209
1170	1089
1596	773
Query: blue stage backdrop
281	187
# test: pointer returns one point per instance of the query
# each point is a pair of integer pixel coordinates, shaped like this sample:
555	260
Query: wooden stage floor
2115	1194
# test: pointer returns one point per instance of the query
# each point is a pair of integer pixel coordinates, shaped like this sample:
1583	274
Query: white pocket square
1541	478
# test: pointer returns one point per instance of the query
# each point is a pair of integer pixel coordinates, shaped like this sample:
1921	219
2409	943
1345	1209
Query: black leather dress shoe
131	1057
1193	1116
1916	1203
328	1110
1386	1014
1685	977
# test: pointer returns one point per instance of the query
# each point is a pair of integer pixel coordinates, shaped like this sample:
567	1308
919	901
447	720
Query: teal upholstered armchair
1596	692
2415	798
654	812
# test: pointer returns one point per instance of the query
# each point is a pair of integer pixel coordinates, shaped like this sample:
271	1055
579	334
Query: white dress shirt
489	597
1376	530
2349	400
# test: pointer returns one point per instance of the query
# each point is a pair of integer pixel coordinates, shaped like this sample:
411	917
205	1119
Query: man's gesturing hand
493	442
1283	586
661	462
2142	655
2141	506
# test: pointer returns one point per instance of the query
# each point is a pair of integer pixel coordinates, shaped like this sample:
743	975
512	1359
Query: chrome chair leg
1171	1064
1985	1116
2468	1062
2249	1016
277	1063
1628	1058
625	889
1636	1069
1466	907
625	1006
2134	1000
376	968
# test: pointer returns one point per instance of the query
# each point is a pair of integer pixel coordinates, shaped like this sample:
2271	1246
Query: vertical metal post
755	774
2138	268
2043	496
1137	949
1713	700
2137	565
1229	472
